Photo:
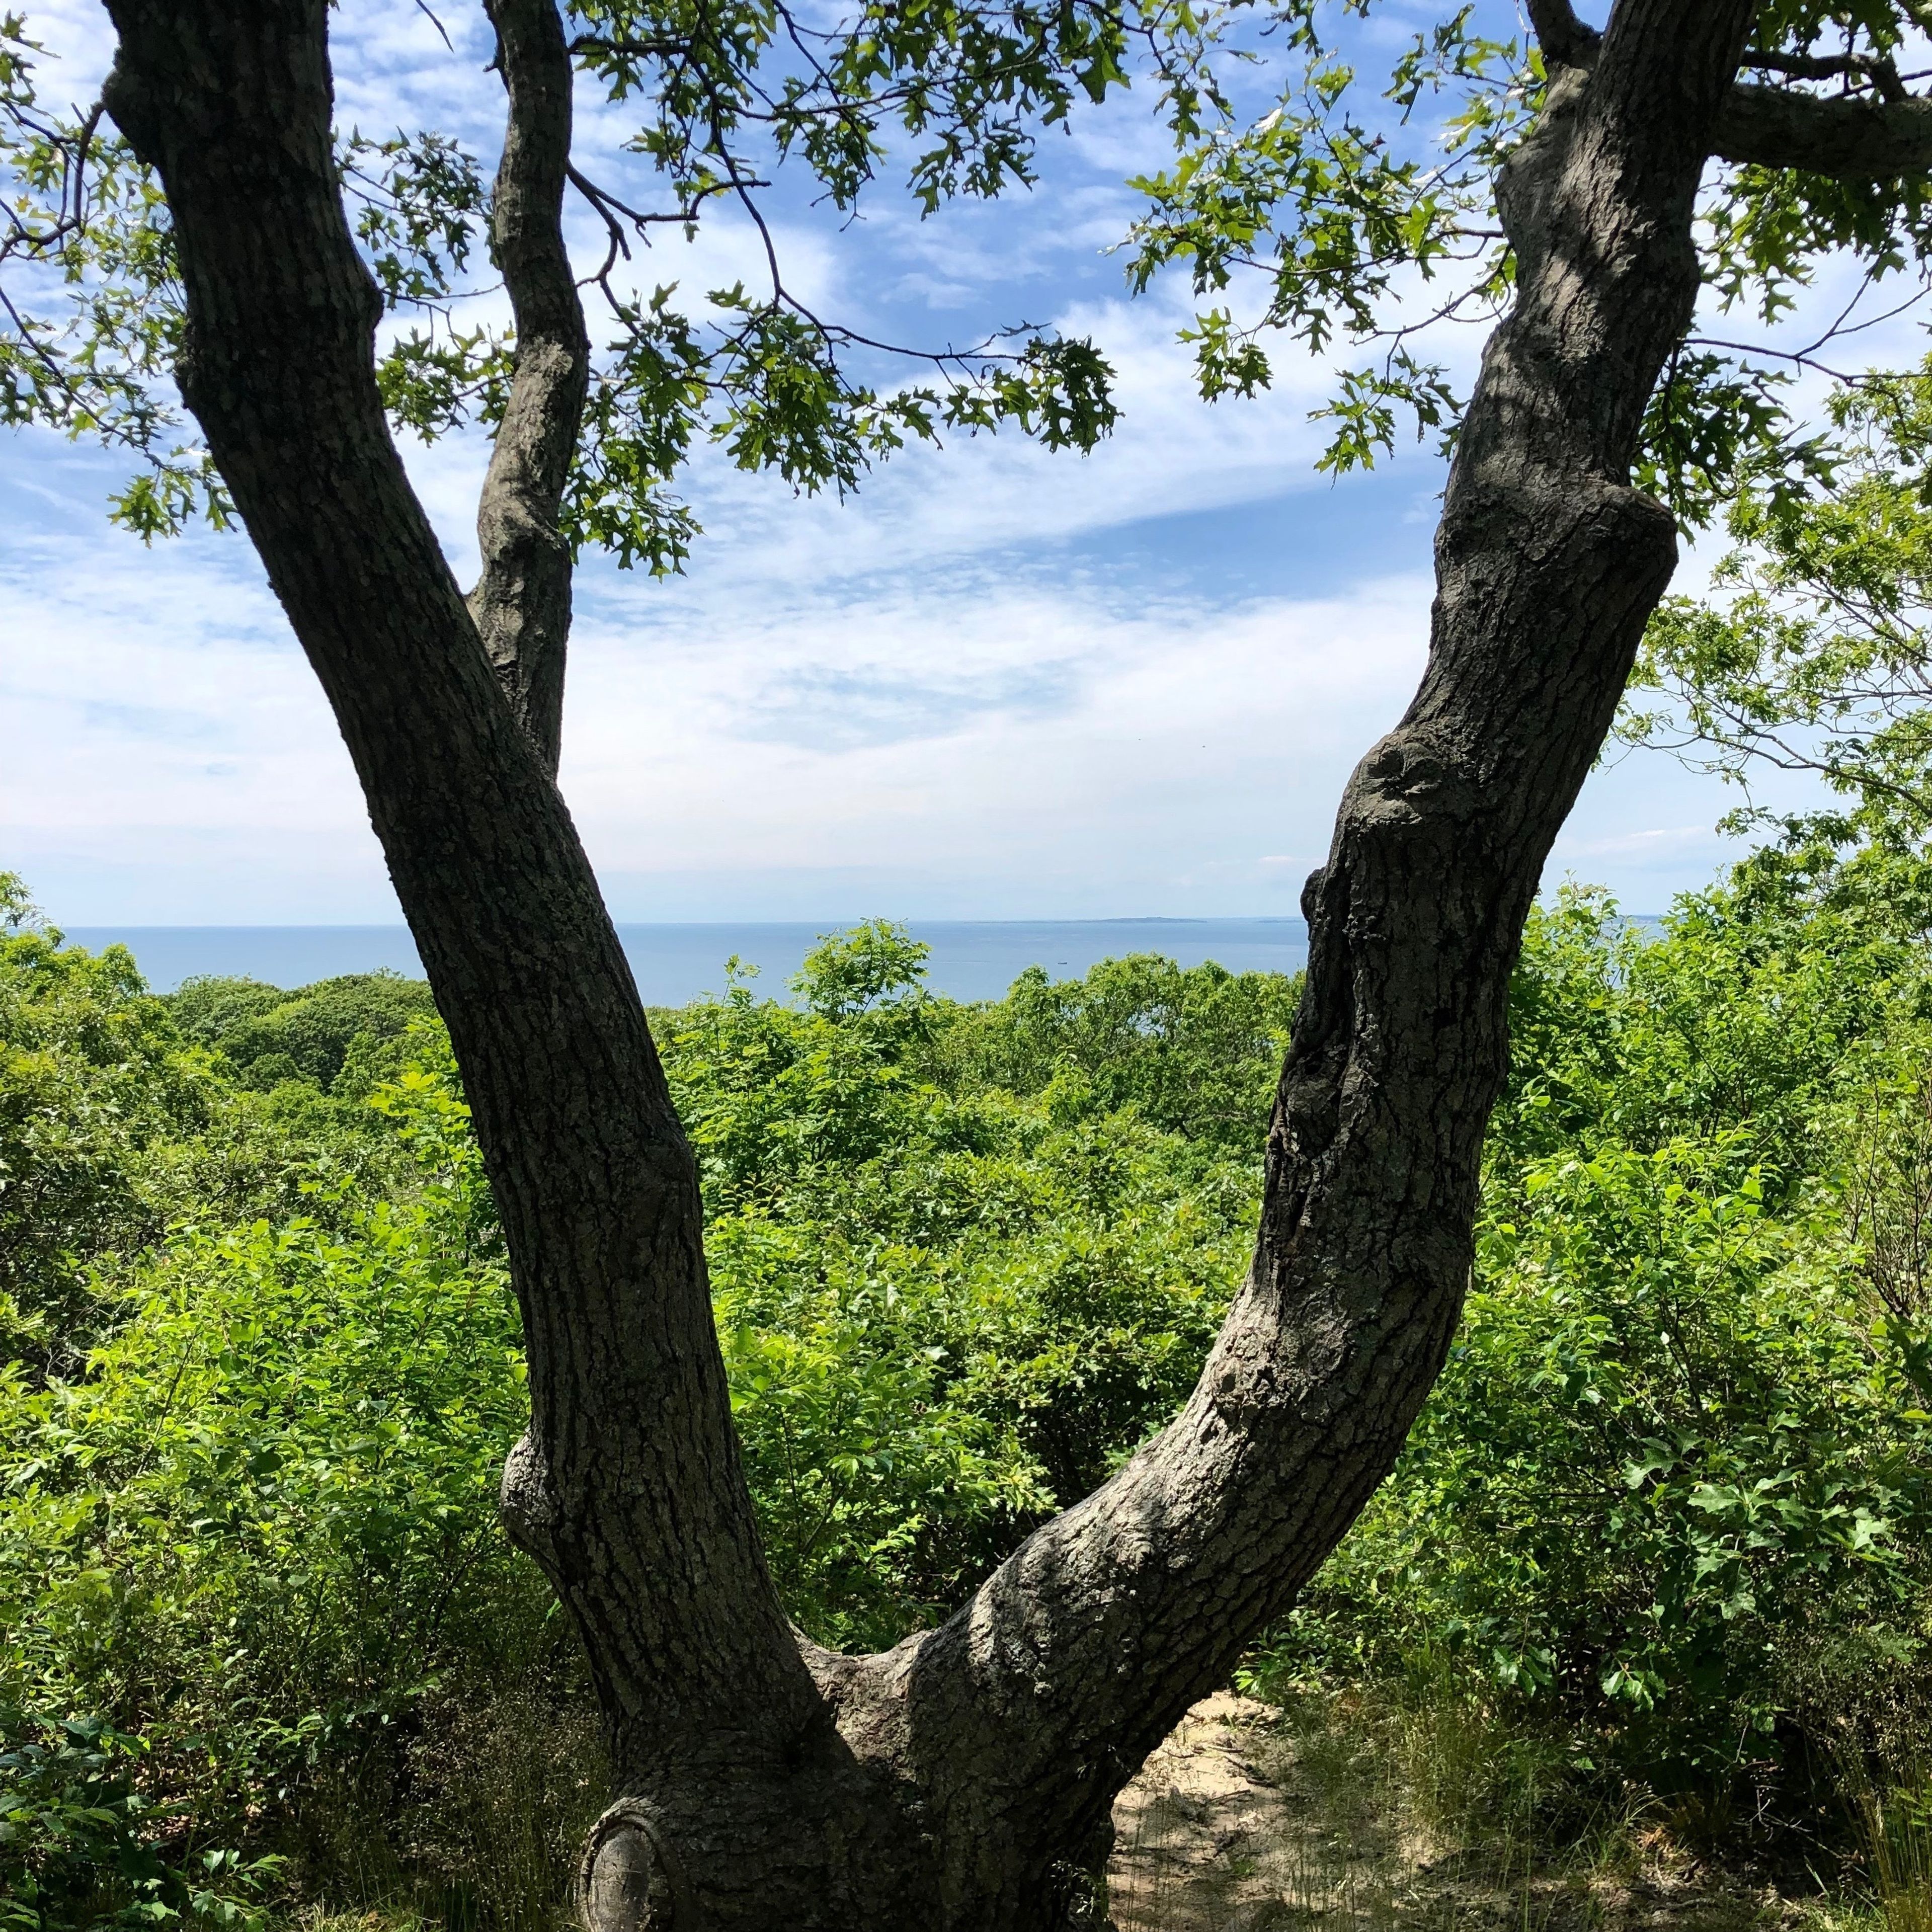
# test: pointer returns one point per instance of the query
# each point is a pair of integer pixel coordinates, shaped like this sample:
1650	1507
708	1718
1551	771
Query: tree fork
962	1782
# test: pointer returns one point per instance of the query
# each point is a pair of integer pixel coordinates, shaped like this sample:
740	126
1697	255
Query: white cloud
1151	768
1000	681
970	749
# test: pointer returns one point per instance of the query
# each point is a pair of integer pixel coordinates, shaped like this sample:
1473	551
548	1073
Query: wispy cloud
998	682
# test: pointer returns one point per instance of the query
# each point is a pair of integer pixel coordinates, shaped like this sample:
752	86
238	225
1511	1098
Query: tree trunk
962	1782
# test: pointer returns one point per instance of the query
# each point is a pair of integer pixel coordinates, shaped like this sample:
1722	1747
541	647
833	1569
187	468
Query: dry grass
1895	1822
1249	1819
473	1825
504	1795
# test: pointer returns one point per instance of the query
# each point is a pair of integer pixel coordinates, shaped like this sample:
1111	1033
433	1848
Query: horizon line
913	918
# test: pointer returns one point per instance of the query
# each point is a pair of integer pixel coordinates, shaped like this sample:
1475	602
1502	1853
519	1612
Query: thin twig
422	8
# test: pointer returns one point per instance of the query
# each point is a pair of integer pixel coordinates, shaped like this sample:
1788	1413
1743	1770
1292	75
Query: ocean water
972	959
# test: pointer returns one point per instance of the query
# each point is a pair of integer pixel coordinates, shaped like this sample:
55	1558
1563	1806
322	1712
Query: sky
997	683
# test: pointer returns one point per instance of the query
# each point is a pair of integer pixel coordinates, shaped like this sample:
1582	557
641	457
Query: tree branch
1565	40
1859	139
521	602
1881	72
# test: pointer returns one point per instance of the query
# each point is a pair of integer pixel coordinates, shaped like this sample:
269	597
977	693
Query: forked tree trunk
964	1781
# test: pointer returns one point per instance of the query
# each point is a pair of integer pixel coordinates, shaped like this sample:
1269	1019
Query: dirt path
1224	1831
1200	1833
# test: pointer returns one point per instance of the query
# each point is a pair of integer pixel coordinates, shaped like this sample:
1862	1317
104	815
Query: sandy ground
1220	1834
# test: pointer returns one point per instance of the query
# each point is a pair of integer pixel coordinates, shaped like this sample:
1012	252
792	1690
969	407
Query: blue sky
999	683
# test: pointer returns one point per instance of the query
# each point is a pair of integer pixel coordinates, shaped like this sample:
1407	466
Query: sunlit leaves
1332	185
433	380
1057	389
726	92
1368	404
91	312
971	86
645	406
1341	211
1228	360
1768	227
770	389
417	201
1335	216
755	371
1815	655
1712	418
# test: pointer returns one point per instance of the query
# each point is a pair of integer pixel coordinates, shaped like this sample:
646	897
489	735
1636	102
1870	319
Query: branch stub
625	1880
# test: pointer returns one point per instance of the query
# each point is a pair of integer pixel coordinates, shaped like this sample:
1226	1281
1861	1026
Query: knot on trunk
627	1880
528	1501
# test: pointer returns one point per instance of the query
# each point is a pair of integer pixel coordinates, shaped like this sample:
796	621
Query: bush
1195	1050
82	1850
262	1530
95	1082
344	1033
1665	1526
255	1527
1682	1443
944	1311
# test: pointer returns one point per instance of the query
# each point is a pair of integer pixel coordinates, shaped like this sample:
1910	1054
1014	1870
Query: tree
965	1779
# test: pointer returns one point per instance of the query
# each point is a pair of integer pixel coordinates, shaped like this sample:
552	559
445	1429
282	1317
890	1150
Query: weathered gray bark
521	602
963	1782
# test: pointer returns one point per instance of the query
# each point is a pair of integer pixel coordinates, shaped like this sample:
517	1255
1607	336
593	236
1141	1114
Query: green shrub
83	1850
95	1085
1666	1519
346	1032
944	1311
262	1529
259	1531
1682	1446
1195	1050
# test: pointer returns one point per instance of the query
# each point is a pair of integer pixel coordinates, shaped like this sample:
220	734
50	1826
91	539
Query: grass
474	1824
1895	1824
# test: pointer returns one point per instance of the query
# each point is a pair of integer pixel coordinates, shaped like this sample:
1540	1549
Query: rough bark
1854	138
521	602
963	1782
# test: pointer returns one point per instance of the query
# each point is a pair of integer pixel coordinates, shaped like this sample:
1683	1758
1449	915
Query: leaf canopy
1814	652
1331	182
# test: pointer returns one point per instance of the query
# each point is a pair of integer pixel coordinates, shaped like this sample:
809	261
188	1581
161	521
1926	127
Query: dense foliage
248	1518
1673	1493
1671	1504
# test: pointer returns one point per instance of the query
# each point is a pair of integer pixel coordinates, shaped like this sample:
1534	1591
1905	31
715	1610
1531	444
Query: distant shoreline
677	962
